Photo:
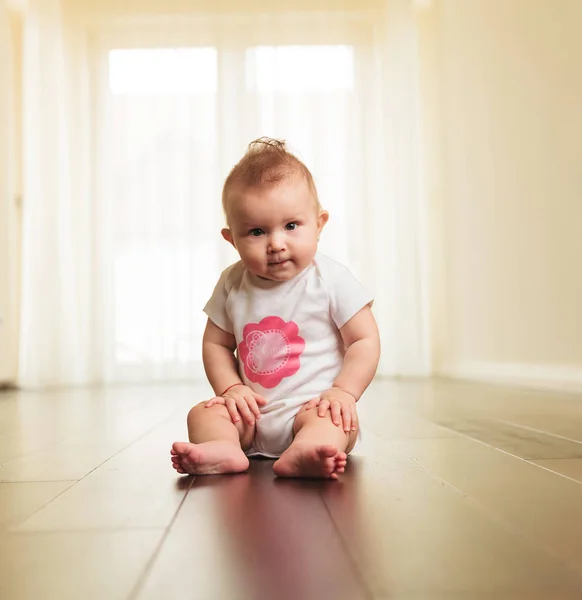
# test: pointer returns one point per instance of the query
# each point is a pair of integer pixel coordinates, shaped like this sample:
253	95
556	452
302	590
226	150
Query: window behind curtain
168	121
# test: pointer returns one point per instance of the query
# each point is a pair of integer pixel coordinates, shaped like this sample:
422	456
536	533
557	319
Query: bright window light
162	71
300	68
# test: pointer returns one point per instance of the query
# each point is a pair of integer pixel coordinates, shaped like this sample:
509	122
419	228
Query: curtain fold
57	341
132	124
401	233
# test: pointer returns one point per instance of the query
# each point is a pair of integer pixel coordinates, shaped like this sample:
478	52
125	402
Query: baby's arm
218	348
220	364
362	340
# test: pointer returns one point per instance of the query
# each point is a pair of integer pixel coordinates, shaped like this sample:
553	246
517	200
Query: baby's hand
240	399
341	405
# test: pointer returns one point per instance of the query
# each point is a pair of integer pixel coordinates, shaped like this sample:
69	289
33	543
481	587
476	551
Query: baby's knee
200	411
302	410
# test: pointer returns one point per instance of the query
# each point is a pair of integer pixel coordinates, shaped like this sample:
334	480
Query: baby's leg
319	448
216	443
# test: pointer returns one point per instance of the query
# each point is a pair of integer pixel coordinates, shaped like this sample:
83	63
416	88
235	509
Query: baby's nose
276	242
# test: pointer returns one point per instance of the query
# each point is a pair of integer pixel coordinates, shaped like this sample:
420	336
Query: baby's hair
266	162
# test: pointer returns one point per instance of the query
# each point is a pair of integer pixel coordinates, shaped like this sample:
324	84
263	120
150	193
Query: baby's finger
354	418
259	399
347	414
245	411
312	403
252	404
232	410
323	407
336	413
215	400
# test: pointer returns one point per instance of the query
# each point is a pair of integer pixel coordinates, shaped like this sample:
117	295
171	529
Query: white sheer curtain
399	213
59	331
131	126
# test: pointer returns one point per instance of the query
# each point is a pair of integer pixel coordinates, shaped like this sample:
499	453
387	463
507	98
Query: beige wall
10	33
506	181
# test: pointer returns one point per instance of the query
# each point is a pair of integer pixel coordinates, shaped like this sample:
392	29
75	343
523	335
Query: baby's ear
322	220
227	235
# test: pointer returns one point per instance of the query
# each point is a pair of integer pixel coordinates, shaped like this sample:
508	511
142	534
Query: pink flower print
270	351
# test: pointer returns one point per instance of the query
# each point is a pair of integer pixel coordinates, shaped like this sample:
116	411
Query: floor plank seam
160	424
353	564
71	481
54	443
488	445
564	476
83	530
139	585
531	461
135	441
510	527
19	520
63	440
497	518
534	429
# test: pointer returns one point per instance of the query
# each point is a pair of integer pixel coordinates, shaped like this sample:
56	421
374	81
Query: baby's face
275	229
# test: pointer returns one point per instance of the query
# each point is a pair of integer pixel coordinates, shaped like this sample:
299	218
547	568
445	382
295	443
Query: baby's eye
256	232
292	226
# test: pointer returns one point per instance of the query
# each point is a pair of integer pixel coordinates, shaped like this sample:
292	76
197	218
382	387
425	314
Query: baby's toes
329	465
340	465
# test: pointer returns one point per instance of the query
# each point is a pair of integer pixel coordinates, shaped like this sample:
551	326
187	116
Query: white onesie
289	347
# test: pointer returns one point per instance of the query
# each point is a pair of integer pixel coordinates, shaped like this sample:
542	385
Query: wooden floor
459	492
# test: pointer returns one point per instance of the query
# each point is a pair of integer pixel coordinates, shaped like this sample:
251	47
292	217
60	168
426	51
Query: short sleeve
347	295
215	308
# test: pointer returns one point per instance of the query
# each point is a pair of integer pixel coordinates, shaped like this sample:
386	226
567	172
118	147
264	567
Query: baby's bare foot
307	460
209	458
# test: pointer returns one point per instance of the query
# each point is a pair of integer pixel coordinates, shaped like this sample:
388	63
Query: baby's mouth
278	263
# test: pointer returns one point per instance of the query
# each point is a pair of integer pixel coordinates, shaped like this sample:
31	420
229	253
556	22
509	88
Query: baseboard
541	377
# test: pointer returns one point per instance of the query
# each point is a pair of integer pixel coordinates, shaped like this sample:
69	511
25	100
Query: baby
291	342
